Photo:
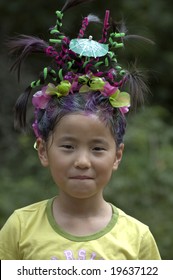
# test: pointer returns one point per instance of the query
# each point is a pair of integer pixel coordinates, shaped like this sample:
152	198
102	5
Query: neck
80	207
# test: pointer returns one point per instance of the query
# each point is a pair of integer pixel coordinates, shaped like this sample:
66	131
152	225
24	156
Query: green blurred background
143	185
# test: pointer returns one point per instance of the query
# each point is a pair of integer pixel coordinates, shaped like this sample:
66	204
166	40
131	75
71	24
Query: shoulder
33	212
25	216
137	235
129	227
35	207
24	222
125	219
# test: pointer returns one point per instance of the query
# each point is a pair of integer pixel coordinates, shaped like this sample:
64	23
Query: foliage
142	187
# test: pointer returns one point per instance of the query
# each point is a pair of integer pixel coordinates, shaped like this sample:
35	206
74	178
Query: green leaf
119	99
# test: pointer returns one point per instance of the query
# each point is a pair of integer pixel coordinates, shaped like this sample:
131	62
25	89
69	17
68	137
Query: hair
87	103
70	65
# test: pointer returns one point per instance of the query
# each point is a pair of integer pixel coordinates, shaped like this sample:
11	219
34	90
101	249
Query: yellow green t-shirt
31	233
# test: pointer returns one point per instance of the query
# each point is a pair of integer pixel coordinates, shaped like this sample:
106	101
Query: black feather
71	3
138	87
118	26
138	37
121	28
22	46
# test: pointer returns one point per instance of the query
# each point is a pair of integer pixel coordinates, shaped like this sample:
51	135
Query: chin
82	195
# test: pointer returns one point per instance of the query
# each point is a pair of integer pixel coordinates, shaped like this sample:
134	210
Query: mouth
80	177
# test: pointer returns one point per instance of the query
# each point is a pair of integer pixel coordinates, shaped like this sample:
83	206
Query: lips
81	177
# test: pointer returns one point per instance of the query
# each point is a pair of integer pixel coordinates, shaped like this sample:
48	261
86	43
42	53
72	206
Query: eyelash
95	149
99	149
68	147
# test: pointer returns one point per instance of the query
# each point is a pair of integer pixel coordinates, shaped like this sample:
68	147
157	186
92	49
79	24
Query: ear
118	156
42	151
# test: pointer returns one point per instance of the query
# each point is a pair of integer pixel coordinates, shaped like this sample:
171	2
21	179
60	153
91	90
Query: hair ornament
80	65
88	47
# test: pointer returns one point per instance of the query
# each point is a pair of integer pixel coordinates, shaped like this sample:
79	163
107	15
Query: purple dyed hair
90	103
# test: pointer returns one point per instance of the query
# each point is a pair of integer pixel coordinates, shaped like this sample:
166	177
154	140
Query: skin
81	154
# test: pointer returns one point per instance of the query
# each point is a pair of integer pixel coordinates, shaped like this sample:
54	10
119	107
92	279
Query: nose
82	160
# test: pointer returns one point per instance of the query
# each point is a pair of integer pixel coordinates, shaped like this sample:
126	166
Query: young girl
79	126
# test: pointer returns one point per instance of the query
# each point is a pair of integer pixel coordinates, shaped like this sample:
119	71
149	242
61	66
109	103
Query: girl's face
81	155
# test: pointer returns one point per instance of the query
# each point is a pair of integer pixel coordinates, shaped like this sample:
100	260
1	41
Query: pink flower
35	128
40	99
124	109
109	90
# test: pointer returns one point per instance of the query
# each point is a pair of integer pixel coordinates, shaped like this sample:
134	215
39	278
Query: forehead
82	126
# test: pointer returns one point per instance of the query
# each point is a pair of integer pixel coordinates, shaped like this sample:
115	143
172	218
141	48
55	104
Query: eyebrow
67	138
99	141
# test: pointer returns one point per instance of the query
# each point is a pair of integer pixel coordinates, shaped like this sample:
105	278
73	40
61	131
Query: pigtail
22	46
20	109
21	104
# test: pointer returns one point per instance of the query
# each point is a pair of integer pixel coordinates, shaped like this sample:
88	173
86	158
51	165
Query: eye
99	149
67	147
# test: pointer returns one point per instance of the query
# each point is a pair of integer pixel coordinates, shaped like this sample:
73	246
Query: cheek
105	166
59	165
58	173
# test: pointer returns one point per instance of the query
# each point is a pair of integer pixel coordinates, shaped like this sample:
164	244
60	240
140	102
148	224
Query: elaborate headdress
80	65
